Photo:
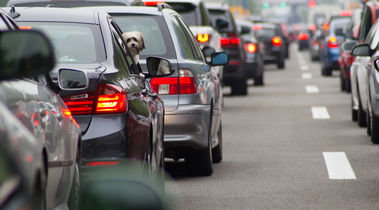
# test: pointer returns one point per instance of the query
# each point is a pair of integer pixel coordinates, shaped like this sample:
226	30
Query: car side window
366	24
191	40
185	45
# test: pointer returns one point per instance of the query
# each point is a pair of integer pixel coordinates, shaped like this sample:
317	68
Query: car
369	49
284	35
274	49
41	110
330	41
192	95
313	45
254	58
71	3
196	16
358	72
22	161
235	74
303	39
107	94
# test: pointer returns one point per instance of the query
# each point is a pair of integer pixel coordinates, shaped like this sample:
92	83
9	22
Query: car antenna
13	12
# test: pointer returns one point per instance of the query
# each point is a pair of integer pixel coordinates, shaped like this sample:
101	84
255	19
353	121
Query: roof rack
162	6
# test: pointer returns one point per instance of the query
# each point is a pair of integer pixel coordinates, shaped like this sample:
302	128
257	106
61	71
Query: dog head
134	42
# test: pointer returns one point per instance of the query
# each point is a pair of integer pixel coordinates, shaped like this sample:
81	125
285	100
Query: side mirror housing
361	50
71	79
25	54
245	30
221	24
376	63
219	59
207	51
348	45
159	67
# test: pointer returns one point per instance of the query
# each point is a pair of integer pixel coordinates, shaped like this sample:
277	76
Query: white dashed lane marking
338	166
306	76
304	68
320	113
311	89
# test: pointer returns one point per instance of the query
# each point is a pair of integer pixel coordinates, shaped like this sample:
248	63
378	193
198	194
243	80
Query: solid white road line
306	76
304	68
338	165
320	112
311	89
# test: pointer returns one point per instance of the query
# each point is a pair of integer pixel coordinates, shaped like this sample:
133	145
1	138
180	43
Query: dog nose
133	45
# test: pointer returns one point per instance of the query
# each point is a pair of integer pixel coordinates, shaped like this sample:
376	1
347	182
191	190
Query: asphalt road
278	156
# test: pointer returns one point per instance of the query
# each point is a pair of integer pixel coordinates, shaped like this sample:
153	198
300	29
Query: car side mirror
348	45
221	24
219	59
159	67
25	54
361	50
245	30
376	63
207	52
71	79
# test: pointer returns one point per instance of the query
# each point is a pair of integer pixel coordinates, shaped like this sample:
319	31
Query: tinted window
188	12
154	30
365	24
266	32
185	47
73	43
225	15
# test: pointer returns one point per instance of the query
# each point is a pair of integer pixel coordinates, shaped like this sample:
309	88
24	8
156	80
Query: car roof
74	3
128	9
57	15
195	2
219	6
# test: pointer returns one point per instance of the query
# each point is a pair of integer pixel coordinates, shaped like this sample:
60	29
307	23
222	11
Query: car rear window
339	23
155	33
225	15
188	13
266	32
72	42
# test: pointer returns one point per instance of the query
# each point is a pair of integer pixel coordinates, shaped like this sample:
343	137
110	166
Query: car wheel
342	83
362	121
239	87
354	113
326	71
259	81
217	151
374	124
281	63
369	119
348	85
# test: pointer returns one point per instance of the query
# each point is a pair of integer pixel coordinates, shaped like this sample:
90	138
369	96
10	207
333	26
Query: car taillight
202	38
225	41
257	27
152	3
315	43
332	42
325	26
250	47
25	27
276	41
303	36
109	99
185	84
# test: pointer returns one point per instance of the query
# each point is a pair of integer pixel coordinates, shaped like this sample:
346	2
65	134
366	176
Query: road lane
273	149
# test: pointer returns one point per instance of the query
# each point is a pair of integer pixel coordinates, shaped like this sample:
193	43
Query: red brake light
152	3
25	27
346	13
185	84
257	27
312	27
325	26
276	41
303	36
109	99
227	41
315	43
102	163
202	38
250	47
332	42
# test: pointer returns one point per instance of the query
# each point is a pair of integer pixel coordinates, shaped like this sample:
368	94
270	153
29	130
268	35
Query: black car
235	75
274	48
107	94
254	58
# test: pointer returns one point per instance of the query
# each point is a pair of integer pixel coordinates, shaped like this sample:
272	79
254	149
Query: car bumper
233	71
186	129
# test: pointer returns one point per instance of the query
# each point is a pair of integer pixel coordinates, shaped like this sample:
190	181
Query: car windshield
155	34
73	43
339	23
188	12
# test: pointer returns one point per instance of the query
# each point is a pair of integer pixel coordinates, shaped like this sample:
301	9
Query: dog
135	43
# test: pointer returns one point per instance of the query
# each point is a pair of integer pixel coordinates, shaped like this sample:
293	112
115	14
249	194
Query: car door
138	105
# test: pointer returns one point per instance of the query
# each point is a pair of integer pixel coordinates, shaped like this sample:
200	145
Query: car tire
342	83
348	85
73	201
259	81
362	117
369	124
374	124
199	162
354	113
217	151
326	71
281	63
239	87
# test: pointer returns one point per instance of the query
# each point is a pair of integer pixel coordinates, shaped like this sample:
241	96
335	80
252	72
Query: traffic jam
189	104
